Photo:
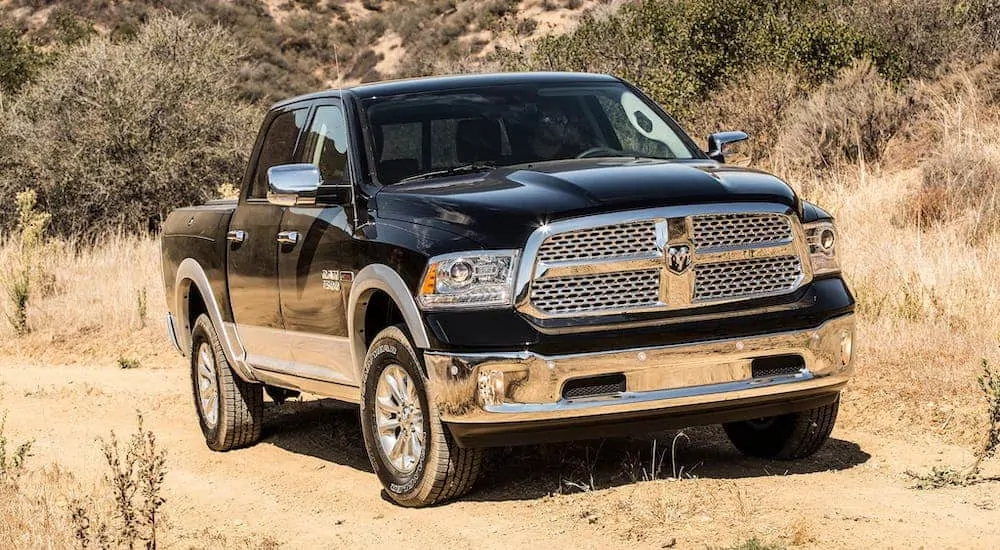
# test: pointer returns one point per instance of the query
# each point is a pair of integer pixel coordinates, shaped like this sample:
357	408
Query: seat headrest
477	139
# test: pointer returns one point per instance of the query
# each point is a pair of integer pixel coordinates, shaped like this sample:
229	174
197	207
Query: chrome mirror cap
717	143
293	184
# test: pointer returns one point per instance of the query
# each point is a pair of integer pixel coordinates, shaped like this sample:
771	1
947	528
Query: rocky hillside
293	46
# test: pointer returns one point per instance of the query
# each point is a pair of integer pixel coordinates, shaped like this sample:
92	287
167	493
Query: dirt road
308	483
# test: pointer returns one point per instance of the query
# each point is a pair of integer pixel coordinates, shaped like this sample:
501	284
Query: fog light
491	388
846	347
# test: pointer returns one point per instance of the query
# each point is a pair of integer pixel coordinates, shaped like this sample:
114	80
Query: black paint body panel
198	232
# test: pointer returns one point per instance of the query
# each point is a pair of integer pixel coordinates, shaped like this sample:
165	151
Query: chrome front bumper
524	387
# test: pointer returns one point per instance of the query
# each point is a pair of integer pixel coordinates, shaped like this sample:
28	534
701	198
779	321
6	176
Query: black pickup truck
501	259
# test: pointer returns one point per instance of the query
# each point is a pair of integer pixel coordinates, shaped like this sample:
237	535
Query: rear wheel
230	410
415	458
786	437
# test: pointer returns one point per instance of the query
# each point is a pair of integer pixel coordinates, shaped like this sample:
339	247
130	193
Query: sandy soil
308	483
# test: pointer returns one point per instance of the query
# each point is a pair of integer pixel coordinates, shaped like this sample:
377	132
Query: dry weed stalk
989	384
11	461
135	477
25	268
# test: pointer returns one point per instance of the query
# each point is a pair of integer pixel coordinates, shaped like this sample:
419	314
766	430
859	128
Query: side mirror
717	143
293	184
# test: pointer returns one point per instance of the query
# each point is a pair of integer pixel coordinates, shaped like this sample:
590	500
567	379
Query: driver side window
326	144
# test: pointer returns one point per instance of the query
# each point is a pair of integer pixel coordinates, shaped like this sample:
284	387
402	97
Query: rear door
253	247
315	271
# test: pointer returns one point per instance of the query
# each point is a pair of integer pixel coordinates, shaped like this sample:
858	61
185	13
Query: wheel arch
193	293
373	284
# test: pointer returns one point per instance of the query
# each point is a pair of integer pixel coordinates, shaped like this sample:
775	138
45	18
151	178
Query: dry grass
961	176
922	294
89	307
50	508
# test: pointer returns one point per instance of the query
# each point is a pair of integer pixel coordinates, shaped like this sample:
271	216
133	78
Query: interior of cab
417	135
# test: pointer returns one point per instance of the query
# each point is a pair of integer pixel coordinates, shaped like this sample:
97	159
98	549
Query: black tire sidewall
388	350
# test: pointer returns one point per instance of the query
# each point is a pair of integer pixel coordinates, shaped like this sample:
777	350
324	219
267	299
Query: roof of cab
456	82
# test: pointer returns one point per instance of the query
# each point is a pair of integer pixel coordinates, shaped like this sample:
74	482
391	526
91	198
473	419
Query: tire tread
242	403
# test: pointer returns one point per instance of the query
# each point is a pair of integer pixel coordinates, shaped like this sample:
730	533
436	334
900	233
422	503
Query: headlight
480	279
822	239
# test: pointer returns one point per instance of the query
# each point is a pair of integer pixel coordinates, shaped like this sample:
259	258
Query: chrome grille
607	291
746	278
609	241
740	230
658	259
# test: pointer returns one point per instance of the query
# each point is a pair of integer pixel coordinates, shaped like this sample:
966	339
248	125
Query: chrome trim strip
190	272
625	398
677	291
172	333
325	388
658	377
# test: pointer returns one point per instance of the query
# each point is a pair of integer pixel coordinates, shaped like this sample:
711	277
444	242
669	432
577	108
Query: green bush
683	51
18	62
116	134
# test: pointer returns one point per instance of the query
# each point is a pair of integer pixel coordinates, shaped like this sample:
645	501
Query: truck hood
499	209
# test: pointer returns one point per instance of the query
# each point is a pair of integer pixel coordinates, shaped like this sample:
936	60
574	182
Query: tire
786	437
234	417
437	470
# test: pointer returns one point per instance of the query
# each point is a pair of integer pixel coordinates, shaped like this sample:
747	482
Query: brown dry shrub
846	121
960	177
756	104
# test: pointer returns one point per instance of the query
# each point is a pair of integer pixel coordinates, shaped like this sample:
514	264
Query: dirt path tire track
309	484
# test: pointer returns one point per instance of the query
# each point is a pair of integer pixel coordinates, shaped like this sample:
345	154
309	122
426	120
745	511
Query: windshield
456	131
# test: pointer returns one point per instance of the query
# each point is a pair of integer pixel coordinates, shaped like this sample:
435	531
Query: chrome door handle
288	237
236	236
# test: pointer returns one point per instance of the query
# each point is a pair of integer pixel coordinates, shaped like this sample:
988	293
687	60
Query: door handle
236	236
288	237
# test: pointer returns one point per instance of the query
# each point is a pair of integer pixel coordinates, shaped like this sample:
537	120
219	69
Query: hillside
295	46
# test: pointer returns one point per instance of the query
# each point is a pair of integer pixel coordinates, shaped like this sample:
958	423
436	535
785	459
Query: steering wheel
593	152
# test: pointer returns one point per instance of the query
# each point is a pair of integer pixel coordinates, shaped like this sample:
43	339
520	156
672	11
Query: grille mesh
609	241
740	230
746	278
595	385
608	291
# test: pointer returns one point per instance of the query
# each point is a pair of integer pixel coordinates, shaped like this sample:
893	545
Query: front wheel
415	458
230	410
786	437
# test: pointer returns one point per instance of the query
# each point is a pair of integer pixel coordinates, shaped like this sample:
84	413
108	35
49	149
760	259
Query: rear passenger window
278	147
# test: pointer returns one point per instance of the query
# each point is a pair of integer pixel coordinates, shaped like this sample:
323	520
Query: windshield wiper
465	169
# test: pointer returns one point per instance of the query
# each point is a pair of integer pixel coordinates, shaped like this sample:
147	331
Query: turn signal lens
430	279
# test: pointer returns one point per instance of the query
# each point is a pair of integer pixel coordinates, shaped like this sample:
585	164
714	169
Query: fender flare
370	279
189	273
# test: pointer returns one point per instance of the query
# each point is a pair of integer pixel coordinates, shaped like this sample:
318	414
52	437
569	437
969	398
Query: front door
316	263
253	248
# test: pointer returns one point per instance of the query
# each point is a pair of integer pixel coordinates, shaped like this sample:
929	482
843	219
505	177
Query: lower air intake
779	365
607	384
